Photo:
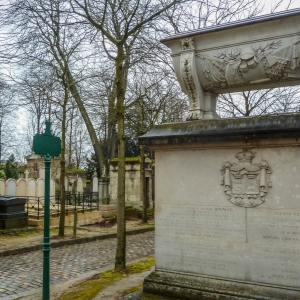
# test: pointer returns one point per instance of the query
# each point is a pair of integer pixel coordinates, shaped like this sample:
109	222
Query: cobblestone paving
22	273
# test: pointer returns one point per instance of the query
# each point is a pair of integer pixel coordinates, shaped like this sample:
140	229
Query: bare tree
155	99
120	25
8	128
210	12
43	34
35	88
47	33
259	102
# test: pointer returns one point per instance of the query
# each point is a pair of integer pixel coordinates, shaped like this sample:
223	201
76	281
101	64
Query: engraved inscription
195	256
274	227
231	260
221	223
208	240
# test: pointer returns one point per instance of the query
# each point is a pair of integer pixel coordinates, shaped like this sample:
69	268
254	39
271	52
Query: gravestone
95	184
40	191
67	186
52	188
11	187
21	187
12	212
41	172
227	210
40	184
31	188
79	188
2	187
103	187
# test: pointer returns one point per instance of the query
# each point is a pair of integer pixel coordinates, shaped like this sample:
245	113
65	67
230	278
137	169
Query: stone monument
227	208
12	213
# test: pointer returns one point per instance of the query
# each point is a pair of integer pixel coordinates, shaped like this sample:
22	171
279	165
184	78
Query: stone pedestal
103	191
12	212
227	210
108	211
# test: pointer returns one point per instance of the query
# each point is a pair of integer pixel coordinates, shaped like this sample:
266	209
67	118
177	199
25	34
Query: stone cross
26	174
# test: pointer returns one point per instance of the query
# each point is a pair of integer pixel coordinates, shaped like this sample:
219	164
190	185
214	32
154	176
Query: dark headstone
12	212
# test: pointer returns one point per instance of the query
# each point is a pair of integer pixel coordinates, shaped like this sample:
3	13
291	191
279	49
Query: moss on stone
127	159
132	290
90	288
25	232
77	171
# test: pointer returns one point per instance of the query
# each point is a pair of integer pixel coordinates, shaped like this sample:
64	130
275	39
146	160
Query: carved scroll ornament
246	184
189	78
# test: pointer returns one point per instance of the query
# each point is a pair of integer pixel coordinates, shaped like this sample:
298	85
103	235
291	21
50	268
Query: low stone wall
85	217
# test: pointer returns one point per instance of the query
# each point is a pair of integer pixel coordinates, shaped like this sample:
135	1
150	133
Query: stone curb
72	242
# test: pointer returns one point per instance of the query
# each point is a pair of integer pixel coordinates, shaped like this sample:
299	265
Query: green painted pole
46	243
46	145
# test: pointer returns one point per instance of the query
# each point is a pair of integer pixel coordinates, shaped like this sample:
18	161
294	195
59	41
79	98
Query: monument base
227	210
187	286
12	223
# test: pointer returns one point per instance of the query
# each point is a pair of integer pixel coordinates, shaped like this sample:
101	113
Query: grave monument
227	208
12	213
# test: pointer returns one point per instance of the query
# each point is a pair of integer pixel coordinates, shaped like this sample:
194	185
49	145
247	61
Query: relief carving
189	81
251	64
246	184
188	43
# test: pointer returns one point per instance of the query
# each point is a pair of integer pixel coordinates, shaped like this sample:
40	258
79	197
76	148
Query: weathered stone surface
202	232
191	287
234	129
132	181
198	230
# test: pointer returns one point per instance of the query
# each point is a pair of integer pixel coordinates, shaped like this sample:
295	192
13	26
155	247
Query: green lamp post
47	145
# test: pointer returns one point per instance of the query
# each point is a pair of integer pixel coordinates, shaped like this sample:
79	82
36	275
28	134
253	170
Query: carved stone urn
243	55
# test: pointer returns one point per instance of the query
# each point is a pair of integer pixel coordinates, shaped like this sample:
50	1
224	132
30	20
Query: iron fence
73	202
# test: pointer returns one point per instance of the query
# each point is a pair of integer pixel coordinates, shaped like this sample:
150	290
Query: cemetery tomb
227	209
12	212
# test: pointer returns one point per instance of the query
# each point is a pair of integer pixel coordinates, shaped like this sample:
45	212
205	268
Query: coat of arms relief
246	184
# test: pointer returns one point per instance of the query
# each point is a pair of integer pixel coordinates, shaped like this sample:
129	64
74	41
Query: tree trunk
143	185
0	141
111	130
87	120
142	166
61	231
120	259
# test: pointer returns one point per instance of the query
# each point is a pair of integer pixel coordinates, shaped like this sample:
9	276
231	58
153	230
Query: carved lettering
202	222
